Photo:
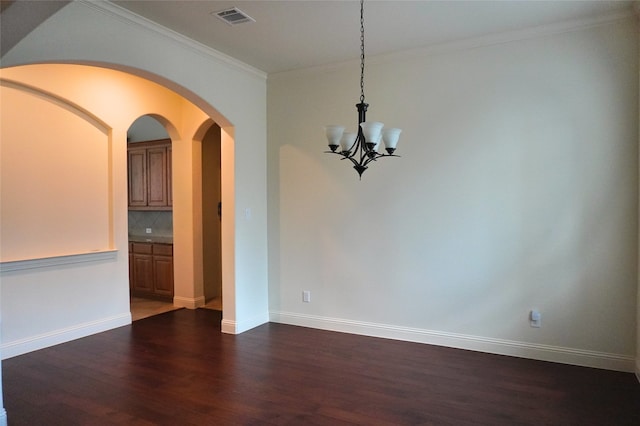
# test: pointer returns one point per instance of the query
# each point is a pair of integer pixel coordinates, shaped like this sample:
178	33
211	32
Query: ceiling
19	18
289	35
295	34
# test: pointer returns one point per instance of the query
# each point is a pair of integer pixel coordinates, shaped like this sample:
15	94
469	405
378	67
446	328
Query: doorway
151	227
150	218
212	211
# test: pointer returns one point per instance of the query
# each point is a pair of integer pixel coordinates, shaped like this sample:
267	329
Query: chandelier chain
361	51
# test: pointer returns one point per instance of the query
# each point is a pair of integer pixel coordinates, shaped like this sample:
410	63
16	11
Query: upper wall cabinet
149	166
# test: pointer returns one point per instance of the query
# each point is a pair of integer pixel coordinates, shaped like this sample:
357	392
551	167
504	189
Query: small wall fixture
361	148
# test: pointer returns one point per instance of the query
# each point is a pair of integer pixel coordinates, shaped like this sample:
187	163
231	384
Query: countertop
150	239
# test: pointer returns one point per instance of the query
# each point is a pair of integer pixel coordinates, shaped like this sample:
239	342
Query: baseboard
237	327
189	302
475	343
64	335
228	326
3	417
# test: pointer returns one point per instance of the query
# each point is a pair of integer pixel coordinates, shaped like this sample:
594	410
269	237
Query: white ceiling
298	34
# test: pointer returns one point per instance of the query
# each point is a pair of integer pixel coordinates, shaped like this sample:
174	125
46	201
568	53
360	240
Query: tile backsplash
161	223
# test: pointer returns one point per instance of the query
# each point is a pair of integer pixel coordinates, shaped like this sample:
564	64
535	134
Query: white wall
517	189
229	92
146	128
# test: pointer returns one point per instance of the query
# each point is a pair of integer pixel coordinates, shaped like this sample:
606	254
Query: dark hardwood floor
179	369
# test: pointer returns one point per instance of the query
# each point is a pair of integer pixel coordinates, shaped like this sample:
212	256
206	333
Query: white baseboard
228	326
3	417
461	341
237	327
19	347
189	302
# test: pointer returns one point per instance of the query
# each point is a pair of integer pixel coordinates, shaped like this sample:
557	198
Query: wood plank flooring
179	369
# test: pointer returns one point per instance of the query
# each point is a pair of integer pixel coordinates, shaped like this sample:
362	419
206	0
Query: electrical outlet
148	230
306	296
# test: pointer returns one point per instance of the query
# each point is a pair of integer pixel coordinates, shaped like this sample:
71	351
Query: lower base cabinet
151	270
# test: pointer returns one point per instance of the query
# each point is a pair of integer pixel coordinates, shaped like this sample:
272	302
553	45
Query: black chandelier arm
355	149
378	155
364	160
356	165
345	157
358	147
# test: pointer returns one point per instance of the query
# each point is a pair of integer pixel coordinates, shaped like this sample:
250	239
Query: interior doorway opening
150	218
212	211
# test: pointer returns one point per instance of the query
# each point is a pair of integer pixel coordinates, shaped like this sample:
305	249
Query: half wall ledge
53	261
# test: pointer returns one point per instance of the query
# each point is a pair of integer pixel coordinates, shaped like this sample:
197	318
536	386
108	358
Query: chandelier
361	148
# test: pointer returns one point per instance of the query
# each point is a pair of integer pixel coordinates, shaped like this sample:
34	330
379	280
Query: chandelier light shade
362	147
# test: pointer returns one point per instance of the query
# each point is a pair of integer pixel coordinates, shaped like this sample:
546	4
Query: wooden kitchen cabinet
137	163
149	172
151	270
142	273
157	177
163	269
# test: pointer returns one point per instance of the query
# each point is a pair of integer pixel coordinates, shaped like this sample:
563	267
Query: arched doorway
149	218
118	98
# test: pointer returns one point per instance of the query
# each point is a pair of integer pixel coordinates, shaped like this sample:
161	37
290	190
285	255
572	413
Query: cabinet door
157	175
143	273
137	177
163	270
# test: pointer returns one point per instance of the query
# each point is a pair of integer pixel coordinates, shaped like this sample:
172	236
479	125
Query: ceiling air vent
233	16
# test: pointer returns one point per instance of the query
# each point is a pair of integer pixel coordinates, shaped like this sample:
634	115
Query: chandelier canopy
361	148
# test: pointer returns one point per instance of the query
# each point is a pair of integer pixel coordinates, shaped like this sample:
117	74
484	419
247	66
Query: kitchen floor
144	308
215	304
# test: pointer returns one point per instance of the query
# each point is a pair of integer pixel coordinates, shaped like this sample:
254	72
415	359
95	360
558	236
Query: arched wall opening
117	99
150	217
111	37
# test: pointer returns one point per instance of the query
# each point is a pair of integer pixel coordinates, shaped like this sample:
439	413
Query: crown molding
473	42
131	18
